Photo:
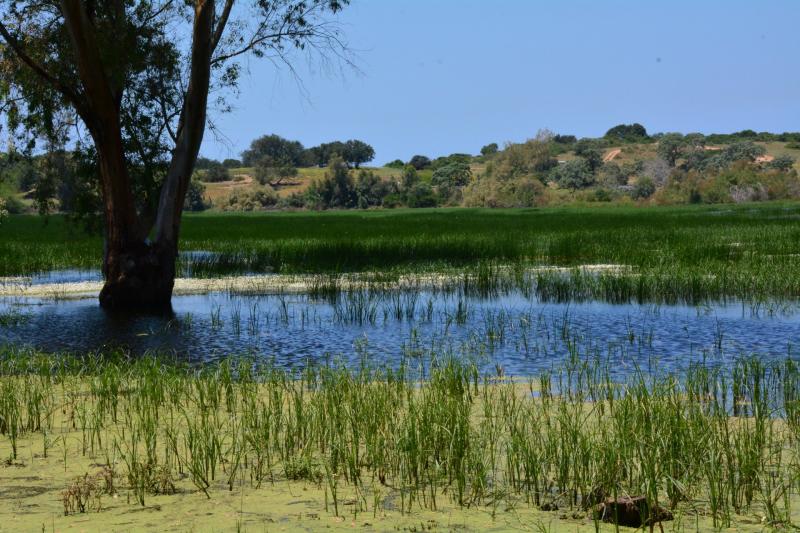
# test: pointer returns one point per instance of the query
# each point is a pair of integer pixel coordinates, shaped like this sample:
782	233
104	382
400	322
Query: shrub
421	195
251	200
336	189
591	151
232	163
794	145
670	147
530	158
451	159
658	170
395	164
195	197
204	163
214	174
644	188
410	178
574	174
455	174
296	200
3	210
564	139
420	162
370	189
13	206
519	192
602	195
783	163
489	150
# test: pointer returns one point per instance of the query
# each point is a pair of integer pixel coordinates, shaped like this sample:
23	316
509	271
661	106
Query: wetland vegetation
415	369
558	334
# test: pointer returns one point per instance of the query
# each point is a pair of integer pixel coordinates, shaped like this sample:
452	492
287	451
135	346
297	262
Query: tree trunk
138	275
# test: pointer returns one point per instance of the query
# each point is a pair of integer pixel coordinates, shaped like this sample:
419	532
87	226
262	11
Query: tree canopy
276	149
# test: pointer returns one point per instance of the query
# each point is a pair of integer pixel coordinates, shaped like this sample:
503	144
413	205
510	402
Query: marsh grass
673	253
715	442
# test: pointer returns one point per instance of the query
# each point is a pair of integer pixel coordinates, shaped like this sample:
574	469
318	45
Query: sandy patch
611	155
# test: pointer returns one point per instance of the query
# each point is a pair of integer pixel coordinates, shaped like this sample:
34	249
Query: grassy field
673	253
109	442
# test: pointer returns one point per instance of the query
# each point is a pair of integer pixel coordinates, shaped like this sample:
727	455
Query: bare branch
221	23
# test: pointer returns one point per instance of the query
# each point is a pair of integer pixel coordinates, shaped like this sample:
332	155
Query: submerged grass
748	251
717	446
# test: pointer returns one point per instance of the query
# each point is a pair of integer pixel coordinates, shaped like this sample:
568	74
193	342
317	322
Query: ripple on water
522	335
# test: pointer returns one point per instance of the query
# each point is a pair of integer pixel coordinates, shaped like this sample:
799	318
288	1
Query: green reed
693	253
716	441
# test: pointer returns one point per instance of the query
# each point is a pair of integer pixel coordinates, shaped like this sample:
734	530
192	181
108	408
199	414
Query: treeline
425	183
548	169
275	158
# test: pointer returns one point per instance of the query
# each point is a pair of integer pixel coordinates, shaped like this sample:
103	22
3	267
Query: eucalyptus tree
131	81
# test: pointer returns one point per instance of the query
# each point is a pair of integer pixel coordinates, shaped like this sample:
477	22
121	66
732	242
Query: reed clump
711	442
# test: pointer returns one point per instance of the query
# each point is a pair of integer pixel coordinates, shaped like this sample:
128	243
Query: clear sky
444	76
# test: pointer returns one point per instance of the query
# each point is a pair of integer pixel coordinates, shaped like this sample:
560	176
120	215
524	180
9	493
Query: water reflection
521	335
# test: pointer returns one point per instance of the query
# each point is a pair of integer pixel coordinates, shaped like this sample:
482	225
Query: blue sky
443	76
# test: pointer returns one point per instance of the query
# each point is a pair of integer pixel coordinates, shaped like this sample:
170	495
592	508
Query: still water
512	332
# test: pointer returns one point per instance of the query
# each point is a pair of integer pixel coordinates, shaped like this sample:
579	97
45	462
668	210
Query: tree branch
40	70
220	28
190	127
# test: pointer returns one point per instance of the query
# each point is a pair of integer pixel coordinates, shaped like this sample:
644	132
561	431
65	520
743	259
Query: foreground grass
675	253
104	441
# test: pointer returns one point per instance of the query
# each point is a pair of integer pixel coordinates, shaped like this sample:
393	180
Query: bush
13	206
574	174
455	174
531	158
564	139
296	200
420	162
232	163
644	188
214	174
489	150
421	195
370	189
657	170
395	164
519	192
410	178
3	211
336	189
783	163
204	163
195	197
794	145
251	200
602	195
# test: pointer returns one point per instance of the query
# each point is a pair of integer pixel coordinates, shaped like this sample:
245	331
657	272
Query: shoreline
21	287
